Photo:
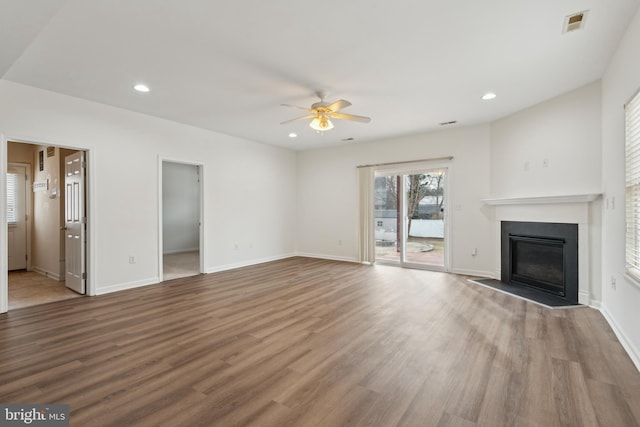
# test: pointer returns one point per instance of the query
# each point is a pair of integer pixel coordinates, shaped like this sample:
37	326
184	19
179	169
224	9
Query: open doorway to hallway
181	220
37	223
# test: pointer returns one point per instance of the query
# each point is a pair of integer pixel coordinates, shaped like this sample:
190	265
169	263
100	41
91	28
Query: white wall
621	80
124	148
565	131
328	206
180	207
45	248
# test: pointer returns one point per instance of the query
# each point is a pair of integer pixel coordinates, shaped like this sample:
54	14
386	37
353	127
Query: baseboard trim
47	273
129	285
595	304
248	263
479	273
328	257
633	352
180	251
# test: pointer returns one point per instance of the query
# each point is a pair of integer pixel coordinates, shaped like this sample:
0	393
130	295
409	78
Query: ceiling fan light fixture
321	124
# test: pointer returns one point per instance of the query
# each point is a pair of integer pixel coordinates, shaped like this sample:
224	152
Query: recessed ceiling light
488	96
293	135
142	88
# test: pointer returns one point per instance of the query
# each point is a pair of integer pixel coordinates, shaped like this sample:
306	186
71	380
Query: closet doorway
181	213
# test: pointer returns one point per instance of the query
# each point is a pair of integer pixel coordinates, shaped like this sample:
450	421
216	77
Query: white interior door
17	217
75	222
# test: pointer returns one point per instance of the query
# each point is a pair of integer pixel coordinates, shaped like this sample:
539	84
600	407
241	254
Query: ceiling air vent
452	122
574	22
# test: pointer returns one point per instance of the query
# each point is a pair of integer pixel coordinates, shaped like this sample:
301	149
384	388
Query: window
12	181
632	190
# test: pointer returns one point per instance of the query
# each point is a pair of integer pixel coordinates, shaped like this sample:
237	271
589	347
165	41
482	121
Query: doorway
410	225
41	278
181	213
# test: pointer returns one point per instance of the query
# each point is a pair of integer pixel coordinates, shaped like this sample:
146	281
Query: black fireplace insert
542	256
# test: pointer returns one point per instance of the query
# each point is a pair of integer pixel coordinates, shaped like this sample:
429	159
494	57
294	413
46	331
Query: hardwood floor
304	342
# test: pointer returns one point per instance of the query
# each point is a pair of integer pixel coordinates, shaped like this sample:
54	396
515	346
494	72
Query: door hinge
84	276
84	219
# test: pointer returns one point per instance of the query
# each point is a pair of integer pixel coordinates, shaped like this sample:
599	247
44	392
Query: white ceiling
227	66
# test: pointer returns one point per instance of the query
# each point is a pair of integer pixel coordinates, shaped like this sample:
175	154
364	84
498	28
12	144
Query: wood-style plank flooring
304	342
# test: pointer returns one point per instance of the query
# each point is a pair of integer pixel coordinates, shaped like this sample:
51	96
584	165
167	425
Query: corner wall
620	302
554	149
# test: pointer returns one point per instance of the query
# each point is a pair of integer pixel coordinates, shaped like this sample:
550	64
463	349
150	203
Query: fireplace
541	256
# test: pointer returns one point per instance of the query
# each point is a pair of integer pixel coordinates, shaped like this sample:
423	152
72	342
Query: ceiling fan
321	113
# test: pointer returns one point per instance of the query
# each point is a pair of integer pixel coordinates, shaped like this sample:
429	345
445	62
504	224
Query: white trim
50	274
328	257
248	263
181	251
128	285
595	304
633	352
4	273
542	200
477	273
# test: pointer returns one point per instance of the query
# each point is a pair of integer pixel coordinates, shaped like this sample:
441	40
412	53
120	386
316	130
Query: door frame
411	168
28	206
90	206
202	241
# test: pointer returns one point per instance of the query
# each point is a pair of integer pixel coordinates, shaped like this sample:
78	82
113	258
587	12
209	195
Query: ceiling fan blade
295	106
338	105
352	117
308	116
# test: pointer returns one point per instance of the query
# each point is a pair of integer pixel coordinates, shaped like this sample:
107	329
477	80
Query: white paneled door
17	217
75	222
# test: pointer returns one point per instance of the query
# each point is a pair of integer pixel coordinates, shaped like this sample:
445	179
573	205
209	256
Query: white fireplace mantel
542	200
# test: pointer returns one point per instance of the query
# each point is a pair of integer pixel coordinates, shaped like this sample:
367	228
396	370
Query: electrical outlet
474	252
613	282
132	259
545	163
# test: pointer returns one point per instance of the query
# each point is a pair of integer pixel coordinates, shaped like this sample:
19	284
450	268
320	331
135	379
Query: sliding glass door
410	218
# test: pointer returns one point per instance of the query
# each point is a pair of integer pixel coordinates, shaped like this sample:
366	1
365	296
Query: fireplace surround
581	209
541	256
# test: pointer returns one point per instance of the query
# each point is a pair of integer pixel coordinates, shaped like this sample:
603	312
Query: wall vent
575	22
452	122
